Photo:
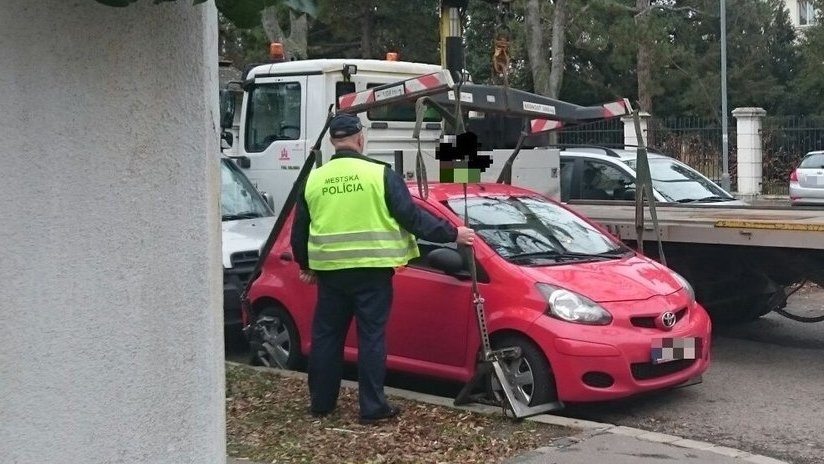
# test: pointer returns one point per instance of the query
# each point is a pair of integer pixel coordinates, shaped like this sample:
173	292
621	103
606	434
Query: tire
537	381
755	306
274	340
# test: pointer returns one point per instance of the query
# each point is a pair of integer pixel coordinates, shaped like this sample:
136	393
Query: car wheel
274	340
531	377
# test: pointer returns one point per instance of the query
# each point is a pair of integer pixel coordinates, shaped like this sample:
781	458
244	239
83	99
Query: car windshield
238	197
680	183
813	161
530	227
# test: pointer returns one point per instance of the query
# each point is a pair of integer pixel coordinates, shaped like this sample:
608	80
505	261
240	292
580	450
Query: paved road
764	392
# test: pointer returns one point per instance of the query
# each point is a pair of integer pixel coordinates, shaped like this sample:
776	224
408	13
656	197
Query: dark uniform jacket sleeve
300	230
415	220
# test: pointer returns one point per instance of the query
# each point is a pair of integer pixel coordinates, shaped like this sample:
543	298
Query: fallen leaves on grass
268	421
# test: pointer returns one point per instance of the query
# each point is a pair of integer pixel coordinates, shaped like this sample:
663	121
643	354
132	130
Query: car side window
602	181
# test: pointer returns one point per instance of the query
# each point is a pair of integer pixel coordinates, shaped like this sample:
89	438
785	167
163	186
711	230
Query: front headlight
572	307
687	287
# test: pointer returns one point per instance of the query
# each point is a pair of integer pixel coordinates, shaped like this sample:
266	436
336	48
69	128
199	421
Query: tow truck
743	262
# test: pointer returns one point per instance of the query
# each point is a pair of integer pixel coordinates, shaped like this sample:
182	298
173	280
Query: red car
593	318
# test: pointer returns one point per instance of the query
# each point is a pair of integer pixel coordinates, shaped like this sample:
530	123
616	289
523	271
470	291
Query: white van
247	221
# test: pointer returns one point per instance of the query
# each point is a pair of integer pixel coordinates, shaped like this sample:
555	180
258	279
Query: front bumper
619	364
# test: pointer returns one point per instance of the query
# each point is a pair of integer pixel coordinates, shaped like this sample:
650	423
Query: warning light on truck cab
276	51
391	56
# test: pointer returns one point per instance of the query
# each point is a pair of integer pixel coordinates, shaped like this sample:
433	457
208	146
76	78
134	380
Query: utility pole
725	176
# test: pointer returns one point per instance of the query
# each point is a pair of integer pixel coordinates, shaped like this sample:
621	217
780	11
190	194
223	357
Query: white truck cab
285	106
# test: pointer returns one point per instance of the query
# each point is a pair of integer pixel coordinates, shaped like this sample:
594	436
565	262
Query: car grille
646	371
649	321
234	282
243	263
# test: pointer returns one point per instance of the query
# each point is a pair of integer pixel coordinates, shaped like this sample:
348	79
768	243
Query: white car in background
247	219
602	173
807	180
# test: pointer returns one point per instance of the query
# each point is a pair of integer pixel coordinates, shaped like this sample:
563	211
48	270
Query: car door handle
286	256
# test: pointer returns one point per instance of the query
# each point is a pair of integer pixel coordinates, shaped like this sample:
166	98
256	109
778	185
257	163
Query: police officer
353	225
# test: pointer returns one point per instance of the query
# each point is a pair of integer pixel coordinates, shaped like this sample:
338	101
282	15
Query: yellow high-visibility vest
351	227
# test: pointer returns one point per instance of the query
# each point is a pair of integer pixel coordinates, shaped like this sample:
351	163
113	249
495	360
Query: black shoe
392	412
320	413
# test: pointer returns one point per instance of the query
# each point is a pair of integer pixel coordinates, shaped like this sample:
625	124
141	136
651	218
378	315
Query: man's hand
466	236
307	277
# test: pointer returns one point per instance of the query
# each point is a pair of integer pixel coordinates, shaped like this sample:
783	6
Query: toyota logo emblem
668	320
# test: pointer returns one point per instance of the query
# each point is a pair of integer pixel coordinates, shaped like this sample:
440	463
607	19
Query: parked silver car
601	173
807	180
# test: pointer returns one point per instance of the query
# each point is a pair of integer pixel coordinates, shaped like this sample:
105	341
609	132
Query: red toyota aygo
593	319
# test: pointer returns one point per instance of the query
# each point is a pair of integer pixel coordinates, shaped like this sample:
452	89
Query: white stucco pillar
110	274
748	149
630	136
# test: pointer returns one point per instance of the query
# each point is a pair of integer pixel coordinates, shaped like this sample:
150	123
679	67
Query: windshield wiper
235	217
709	198
563	255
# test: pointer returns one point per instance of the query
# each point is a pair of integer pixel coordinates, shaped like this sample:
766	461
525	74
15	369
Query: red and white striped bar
544	125
618	108
610	110
409	89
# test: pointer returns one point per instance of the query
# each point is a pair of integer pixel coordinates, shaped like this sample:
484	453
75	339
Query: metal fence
697	142
607	132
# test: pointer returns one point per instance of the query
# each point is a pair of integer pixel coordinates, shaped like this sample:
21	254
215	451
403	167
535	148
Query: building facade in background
803	13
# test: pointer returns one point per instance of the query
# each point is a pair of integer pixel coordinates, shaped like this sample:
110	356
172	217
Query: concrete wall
111	348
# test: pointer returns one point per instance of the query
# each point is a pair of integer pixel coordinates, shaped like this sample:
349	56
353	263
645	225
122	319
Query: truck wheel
274	340
532	379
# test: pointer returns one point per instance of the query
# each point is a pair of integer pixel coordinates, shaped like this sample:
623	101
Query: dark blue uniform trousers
365	294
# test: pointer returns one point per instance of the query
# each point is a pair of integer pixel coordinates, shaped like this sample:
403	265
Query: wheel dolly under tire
490	362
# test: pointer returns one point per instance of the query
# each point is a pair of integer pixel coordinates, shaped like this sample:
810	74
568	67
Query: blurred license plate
819	180
675	349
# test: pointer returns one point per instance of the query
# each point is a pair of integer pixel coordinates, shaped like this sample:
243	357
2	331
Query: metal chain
503	37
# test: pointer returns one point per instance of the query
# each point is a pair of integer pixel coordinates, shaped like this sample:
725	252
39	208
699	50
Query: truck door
274	134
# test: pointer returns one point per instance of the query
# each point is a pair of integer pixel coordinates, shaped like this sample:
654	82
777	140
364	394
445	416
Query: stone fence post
630	136
749	153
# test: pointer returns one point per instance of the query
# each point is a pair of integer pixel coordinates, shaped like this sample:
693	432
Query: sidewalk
607	443
624	445
595	443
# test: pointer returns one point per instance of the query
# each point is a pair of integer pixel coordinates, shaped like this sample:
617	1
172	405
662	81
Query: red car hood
629	279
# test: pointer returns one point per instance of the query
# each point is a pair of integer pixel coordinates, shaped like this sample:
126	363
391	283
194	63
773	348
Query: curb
588	428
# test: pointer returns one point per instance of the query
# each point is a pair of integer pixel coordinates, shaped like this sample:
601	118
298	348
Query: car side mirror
269	200
343	88
227	109
226	140
448	261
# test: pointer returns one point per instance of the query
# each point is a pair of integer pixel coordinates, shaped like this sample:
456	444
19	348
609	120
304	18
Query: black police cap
344	125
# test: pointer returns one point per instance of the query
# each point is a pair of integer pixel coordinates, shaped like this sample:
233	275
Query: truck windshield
527	226
273	114
238	197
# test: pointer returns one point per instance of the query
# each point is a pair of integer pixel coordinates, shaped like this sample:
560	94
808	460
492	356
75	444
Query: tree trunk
556	73
295	44
367	18
536	49
643	58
